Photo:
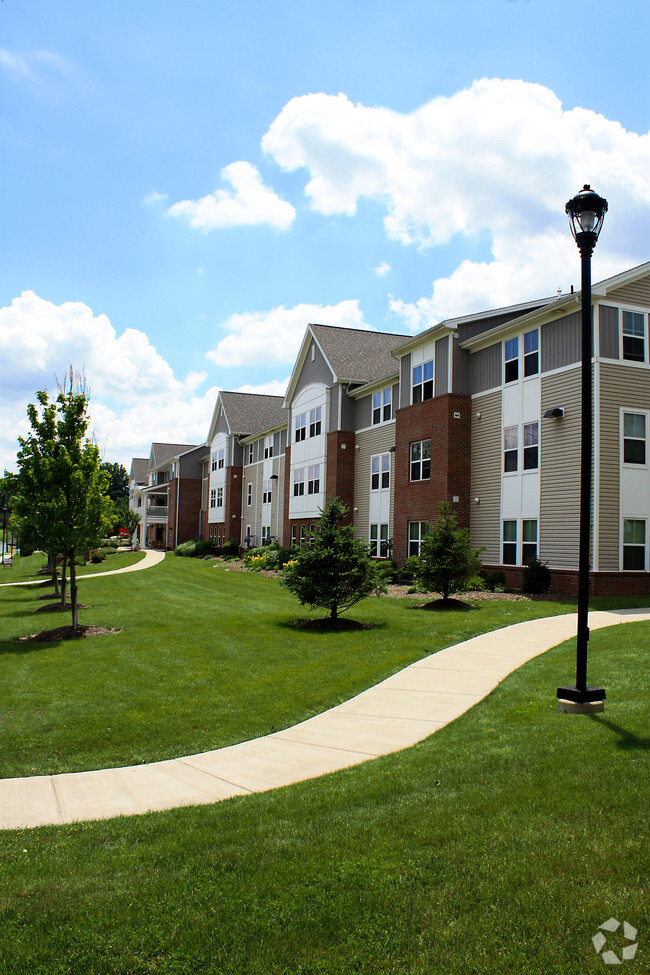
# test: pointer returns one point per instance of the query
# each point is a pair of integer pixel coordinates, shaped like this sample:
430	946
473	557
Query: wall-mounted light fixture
556	412
477	500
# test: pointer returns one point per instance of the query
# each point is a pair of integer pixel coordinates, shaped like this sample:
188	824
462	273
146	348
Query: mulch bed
84	630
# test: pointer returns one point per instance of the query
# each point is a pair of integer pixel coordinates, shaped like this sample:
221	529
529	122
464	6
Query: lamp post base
580	700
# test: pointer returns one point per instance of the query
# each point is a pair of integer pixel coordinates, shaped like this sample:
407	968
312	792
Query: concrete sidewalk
151	557
397	713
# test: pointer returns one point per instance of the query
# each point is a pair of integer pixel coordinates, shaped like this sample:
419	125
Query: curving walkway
151	557
397	713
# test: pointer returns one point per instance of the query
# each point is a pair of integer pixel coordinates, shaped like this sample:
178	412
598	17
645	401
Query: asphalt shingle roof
139	468
356	355
161	452
249	413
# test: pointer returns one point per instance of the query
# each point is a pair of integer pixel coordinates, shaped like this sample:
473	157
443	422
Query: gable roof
162	452
248	413
139	468
354	355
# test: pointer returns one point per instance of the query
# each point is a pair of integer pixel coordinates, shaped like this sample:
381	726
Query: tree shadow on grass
327	625
440	605
627	741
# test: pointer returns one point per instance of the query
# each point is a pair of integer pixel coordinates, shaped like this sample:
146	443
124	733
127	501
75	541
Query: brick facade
187	524
445	421
233	496
339	481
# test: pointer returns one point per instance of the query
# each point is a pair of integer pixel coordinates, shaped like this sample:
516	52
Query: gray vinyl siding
627	386
561	342
405	380
313	372
221	426
485	369
560	471
485	517
334	409
347	419
637	293
377	440
608	332
442	366
460	369
237	453
363	412
277	500
191	465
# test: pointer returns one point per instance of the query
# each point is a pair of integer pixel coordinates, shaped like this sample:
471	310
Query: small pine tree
333	569
446	561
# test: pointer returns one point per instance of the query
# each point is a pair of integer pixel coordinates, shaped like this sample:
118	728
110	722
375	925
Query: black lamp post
586	213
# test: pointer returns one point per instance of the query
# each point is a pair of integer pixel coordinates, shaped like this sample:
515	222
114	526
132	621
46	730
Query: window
634	336
510	447
313	479
531	446
301	427
380	472
512	360
220	497
213	497
379	541
266	492
382	405
421	460
299	482
249	496
529	541
294	534
423	381
221	454
214	460
634	544
418	531
250	453
634	438
315	422
510	543
303	534
531	353
268	447
266	534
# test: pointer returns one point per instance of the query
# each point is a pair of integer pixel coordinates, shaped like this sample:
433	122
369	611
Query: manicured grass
26	569
205	658
498	845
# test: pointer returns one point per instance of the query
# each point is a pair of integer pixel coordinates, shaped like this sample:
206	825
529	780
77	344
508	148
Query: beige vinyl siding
485	517
379	440
560	471
620	386
277	500
637	293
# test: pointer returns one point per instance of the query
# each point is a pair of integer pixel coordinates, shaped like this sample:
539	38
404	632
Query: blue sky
185	186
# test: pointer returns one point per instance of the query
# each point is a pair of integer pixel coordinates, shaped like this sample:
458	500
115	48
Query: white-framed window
268	447
221	458
511	359
219	497
634	438
423	381
511	349
214	460
315	421
382	405
528	540
531	353
380	472
249	495
531	446
266	492
420	461
294	534
634	544
213	497
303	534
301	427
509	552
250	453
379	541
510	449
299	482
313	479
633	332
266	534
418	531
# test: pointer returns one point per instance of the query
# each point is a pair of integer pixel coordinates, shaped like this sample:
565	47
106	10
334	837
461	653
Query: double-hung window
313	479
531	353
221	458
379	541
531	446
634	544
418	531
213	497
268	447
510	449
634	336
528	541
249	495
266	492
421	460
214	460
220	497
511	354
301	427
382	405
299	482
509	542
423	381
634	438
315	422
250	453
380	472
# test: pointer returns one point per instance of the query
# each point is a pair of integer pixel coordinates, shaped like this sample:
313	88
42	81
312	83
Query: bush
230	548
97	556
536	578
494	581
194	548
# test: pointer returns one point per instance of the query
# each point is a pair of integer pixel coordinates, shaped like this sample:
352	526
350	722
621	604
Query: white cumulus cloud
248	203
256	338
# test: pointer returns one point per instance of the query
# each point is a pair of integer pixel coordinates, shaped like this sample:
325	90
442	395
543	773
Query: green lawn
205	658
498	845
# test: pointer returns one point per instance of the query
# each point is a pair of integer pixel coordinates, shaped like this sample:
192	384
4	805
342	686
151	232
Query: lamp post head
586	212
